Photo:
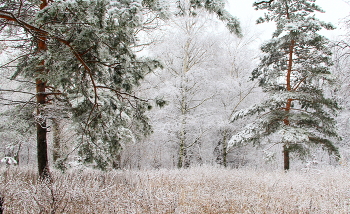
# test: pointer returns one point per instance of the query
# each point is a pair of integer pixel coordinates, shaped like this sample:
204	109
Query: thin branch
121	93
263	2
298	85
196	140
12	40
15	91
203	101
22	81
10	17
15	102
241	100
5	65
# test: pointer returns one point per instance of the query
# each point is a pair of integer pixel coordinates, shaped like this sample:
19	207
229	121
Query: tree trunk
56	154
181	154
16	153
116	163
43	163
224	149
286	158
289	102
1	204
182	143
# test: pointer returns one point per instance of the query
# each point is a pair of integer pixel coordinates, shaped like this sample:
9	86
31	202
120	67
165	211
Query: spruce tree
294	72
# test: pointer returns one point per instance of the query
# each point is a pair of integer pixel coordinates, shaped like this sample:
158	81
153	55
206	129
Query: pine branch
263	2
10	17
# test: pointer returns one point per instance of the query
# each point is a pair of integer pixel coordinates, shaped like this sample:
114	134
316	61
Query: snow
8	161
293	135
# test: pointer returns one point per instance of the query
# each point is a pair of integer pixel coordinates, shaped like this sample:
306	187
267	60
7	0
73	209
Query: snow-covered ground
195	190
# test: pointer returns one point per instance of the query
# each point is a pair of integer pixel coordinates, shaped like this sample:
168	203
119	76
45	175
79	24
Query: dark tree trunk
286	158
43	167
1	205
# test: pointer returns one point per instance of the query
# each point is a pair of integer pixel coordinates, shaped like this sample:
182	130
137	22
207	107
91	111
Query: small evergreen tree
294	70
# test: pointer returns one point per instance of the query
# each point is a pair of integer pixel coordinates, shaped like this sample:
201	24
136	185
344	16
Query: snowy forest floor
196	190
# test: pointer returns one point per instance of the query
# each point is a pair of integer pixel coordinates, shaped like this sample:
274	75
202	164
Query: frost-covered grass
195	190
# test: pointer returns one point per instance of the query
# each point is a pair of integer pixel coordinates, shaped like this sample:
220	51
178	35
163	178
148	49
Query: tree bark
286	157
42	157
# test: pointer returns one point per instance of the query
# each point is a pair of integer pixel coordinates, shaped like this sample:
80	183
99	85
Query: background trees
341	71
204	79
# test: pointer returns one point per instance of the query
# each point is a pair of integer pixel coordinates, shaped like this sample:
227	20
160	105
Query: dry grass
196	190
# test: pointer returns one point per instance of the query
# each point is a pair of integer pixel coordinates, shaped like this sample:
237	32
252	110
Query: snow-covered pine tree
81	53
294	71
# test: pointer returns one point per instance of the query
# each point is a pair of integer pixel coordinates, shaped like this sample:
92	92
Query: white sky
335	10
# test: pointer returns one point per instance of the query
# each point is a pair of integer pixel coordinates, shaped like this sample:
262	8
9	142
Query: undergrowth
195	190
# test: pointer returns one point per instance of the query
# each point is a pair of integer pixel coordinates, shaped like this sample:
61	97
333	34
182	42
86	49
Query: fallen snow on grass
195	190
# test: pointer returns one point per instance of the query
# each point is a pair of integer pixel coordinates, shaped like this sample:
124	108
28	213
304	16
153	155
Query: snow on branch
263	2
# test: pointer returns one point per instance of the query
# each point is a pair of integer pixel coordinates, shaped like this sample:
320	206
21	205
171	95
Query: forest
172	106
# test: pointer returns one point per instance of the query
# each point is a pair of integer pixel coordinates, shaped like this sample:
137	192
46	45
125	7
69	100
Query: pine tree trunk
43	163
41	132
286	158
